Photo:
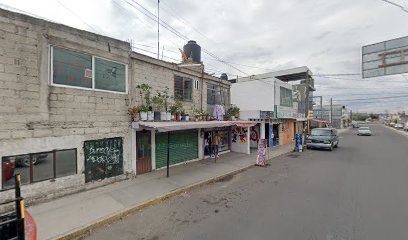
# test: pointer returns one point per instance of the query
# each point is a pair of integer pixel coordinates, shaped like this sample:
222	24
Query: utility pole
307	95
158	29
321	107
331	111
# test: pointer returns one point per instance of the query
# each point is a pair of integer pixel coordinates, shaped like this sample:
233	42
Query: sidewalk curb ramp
84	231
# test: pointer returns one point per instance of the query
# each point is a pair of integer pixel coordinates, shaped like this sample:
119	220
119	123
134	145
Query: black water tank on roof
224	76
193	51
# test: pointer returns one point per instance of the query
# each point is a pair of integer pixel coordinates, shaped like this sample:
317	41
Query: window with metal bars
183	88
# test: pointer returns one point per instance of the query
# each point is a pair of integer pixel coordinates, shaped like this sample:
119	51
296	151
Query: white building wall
255	94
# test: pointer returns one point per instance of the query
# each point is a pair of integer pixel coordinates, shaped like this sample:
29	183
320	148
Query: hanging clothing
219	112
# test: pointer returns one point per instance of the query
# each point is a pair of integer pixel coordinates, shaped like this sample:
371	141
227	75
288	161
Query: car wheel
337	144
331	148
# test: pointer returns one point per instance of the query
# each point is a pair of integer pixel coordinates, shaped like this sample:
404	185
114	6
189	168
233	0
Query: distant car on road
399	125
354	124
406	126
326	138
364	131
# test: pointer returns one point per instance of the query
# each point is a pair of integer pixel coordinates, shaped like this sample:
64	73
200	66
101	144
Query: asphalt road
358	191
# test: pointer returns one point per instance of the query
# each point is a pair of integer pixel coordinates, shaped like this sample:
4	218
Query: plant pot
178	117
173	117
187	118
163	116
232	118
136	118
183	118
143	116
150	116
168	116
157	116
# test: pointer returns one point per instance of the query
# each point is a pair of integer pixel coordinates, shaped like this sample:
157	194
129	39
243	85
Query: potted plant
134	114
144	91
158	102
176	109
166	96
198	114
143	112
173	111
233	112
182	115
207	116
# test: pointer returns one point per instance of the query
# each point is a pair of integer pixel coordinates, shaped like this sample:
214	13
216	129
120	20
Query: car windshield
364	128
321	132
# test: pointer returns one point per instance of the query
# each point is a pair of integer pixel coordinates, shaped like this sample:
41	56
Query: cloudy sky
255	36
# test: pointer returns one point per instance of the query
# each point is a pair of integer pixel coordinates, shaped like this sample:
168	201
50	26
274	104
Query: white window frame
51	72
196	84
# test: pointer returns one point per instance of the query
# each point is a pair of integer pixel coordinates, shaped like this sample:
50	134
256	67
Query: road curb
403	133
84	231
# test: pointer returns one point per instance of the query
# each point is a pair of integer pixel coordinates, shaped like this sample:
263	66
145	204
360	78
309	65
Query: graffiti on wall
239	135
103	158
254	134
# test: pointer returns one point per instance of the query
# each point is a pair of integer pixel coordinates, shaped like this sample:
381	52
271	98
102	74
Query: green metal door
183	147
103	158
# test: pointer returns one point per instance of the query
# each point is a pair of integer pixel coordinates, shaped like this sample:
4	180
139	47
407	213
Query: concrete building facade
64	97
267	101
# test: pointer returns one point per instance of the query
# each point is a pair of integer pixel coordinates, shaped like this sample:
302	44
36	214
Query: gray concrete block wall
37	117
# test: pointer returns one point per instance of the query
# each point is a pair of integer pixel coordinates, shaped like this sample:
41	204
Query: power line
171	11
77	16
376	98
164	24
397	5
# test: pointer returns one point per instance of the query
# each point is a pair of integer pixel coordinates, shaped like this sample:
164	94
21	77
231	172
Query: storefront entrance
225	145
183	147
143	152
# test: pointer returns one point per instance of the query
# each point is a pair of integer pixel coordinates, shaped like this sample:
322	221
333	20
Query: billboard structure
385	58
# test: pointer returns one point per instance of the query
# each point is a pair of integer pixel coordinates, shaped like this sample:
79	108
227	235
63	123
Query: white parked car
399	125
364	131
406	126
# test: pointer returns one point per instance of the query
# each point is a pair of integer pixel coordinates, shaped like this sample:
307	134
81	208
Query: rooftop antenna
158	29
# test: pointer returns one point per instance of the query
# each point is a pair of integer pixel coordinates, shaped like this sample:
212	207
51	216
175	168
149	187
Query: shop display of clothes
219	112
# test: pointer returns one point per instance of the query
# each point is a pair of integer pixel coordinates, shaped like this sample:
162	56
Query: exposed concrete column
262	131
133	151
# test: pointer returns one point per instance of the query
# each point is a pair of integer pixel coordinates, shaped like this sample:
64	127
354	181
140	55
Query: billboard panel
385	58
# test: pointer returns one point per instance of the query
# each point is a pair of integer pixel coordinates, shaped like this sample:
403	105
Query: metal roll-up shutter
161	150
183	146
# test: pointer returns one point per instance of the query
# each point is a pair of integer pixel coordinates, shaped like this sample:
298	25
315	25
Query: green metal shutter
161	150
183	147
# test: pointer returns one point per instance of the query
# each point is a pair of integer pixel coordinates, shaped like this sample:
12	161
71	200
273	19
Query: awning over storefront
185	125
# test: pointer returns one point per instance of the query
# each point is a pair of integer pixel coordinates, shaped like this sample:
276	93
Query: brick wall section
29	106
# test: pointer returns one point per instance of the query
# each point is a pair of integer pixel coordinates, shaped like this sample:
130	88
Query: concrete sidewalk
73	215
